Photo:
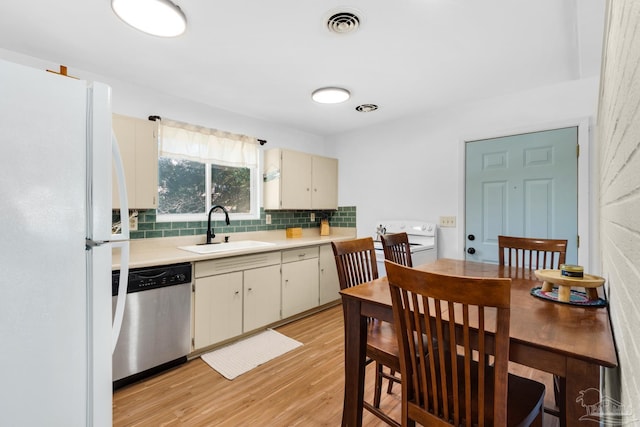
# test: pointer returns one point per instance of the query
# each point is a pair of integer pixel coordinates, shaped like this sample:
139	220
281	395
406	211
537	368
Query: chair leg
390	386
559	392
378	387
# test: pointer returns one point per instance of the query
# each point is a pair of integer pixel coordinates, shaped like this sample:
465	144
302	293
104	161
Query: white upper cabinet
295	180
138	143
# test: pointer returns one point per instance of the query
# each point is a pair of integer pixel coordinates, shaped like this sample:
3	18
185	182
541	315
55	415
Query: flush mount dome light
156	17
330	95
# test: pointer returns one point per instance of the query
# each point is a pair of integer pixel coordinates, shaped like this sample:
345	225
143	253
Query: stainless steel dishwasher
156	327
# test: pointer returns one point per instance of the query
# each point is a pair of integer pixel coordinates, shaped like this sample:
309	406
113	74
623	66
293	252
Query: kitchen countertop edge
165	251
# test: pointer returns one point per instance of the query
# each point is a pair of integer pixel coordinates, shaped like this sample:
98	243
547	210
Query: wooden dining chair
535	254
396	248
463	379
356	264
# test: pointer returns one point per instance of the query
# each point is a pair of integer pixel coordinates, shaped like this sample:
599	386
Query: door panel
521	185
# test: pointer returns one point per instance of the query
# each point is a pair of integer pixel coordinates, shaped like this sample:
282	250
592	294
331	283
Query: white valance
200	144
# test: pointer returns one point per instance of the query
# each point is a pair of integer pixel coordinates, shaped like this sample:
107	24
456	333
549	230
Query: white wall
137	101
412	168
619	136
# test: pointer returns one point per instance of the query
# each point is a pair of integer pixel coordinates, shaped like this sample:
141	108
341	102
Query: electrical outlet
133	222
268	219
312	217
447	221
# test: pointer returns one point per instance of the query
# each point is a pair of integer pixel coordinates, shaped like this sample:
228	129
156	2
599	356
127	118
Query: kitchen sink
225	247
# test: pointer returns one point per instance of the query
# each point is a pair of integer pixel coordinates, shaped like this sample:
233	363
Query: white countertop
163	251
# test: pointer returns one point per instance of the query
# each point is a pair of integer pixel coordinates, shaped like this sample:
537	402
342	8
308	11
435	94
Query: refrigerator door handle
120	241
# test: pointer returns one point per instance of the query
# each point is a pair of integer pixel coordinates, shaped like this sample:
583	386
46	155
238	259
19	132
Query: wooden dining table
571	342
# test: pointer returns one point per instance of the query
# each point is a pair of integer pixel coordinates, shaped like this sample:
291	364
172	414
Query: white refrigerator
56	332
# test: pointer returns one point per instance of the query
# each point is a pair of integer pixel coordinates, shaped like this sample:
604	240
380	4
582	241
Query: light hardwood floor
301	388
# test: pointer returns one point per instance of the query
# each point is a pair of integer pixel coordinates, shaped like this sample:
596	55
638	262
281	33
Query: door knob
471	237
471	251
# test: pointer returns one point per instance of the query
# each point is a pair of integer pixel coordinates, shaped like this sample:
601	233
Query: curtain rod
155	118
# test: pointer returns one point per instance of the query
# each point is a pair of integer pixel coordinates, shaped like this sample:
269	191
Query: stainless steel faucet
210	234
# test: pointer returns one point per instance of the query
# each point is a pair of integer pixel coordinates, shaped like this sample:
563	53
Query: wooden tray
554	277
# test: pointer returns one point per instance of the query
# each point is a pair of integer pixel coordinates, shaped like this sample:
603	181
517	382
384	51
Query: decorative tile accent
148	227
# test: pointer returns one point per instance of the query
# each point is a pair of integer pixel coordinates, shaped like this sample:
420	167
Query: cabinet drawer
299	254
235	263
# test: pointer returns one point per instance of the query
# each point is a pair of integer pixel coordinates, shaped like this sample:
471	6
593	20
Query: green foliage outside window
182	187
231	188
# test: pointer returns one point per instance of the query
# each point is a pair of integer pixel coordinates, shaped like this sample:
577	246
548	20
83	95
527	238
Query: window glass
181	188
231	188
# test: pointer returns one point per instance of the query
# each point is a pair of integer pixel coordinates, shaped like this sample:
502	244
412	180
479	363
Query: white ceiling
264	58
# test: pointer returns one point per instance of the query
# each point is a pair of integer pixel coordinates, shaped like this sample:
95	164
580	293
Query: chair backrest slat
463	322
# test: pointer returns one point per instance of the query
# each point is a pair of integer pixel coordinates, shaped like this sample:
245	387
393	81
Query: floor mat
242	356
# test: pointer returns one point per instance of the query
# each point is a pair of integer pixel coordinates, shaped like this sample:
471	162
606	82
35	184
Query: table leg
547	286
582	379
355	348
564	293
592	293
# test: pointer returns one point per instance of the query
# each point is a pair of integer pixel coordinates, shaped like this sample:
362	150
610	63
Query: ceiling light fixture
156	17
330	95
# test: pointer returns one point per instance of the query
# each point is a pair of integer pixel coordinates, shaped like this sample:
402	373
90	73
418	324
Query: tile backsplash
148	227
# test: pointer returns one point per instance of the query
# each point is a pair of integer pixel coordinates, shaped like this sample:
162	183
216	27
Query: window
200	167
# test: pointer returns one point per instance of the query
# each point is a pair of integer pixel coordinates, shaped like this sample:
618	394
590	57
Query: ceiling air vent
343	22
366	108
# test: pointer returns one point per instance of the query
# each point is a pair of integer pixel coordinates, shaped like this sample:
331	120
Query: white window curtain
200	144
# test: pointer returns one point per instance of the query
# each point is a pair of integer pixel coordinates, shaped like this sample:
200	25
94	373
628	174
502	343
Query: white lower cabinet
329	283
239	294
218	308
300	280
261	297
235	295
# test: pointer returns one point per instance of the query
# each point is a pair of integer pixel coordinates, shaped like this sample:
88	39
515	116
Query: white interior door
522	185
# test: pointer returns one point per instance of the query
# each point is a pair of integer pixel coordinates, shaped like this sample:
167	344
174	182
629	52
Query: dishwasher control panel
147	278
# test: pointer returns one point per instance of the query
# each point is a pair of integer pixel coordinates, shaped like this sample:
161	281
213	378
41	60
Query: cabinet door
138	143
296	180
329	284
299	286
146	165
324	183
218	308
261	297
124	129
